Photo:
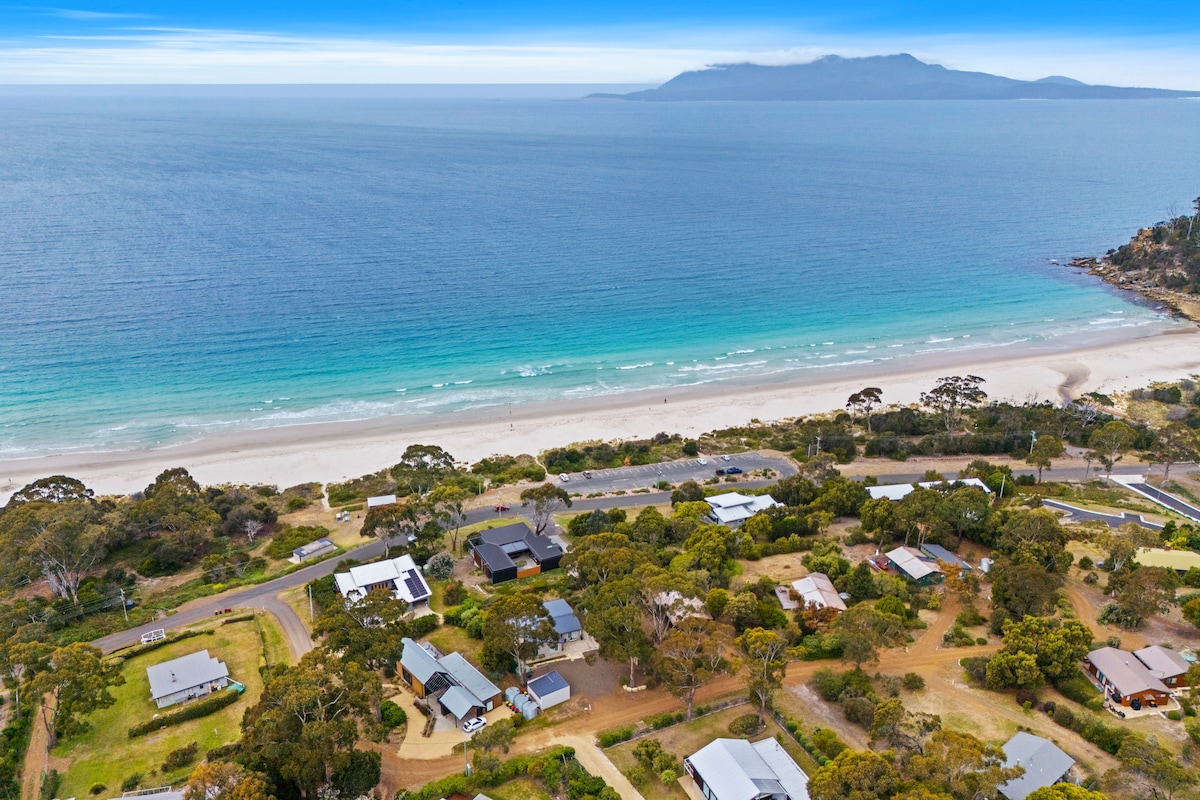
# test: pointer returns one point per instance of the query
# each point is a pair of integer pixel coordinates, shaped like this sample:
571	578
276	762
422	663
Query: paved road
1057	474
1166	500
1111	520
648	475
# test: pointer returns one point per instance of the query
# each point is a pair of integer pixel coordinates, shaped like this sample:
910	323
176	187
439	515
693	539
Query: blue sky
121	41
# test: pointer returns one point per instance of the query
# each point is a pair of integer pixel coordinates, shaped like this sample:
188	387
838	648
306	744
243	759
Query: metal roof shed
549	690
184	677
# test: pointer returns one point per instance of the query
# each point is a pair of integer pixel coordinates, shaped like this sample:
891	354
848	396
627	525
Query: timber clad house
1125	678
186	678
1164	664
513	551
450	680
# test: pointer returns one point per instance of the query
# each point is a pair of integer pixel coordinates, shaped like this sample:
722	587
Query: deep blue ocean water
175	266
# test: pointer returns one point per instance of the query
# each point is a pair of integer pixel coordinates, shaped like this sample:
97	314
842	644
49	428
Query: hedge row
1092	728
615	736
424	624
193	710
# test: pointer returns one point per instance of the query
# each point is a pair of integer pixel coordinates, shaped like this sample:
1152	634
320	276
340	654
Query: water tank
511	694
985	565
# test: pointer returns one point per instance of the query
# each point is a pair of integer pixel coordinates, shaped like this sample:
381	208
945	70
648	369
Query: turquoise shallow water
177	266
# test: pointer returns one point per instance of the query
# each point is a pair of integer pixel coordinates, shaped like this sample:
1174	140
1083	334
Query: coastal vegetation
676	600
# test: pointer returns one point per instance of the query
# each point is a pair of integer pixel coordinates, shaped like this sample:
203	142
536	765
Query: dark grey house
513	551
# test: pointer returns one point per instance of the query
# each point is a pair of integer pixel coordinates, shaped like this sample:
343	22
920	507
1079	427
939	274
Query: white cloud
91	16
172	55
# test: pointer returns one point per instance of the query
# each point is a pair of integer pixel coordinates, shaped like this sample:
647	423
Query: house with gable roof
447	681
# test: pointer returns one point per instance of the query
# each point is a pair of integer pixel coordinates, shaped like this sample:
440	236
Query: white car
702	461
474	724
725	458
563	477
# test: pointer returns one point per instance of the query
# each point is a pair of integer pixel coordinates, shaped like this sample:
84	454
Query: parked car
724	458
563	477
733	470
702	461
474	724
501	509
587	474
720	472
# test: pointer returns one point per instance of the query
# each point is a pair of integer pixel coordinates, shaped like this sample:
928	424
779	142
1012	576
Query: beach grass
105	755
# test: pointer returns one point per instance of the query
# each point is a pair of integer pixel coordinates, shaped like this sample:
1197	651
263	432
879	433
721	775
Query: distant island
894	77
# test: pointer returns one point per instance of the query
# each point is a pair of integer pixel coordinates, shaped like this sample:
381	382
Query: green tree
917	513
1141	593
900	729
304	726
966	510
225	780
55	489
951	396
604	557
691	655
860	583
1034	537
73	681
865	401
446	503
1064	791
1044	451
862	631
421	467
614	619
854	775
1021	590
1141	754
715	602
687	492
441	566
545	499
369	631
1176	443
1057	645
515	626
1110	440
765	654
962	765
61	541
1013	670
500	734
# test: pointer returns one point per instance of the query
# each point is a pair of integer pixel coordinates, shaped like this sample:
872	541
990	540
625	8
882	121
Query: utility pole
124	610
310	605
1032	441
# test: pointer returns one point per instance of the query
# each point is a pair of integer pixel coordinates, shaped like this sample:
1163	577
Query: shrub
827	742
424	624
745	725
131	782
441	566
1063	716
615	736
664	720
1174	715
50	784
98	788
975	668
860	711
287	539
193	710
636	774
296	504
392	715
1086	563
1091	578
1026	698
1077	687
454	593
178	759
912	682
225	752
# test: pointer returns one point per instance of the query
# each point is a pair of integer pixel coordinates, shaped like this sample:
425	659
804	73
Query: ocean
173	266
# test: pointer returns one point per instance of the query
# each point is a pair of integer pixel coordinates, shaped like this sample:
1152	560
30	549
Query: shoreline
334	451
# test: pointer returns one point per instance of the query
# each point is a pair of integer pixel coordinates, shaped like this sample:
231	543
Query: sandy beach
287	456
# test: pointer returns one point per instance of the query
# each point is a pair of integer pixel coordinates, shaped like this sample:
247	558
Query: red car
501	509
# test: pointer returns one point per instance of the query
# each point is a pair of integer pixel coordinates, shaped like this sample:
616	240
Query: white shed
549	690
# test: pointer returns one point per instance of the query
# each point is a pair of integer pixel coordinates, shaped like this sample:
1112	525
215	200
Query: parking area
648	476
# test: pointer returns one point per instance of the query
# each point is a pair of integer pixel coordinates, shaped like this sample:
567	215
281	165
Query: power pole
1032	441
124	610
310	605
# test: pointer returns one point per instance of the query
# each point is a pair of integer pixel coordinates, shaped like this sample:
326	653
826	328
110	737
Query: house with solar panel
513	551
400	576
447	682
735	769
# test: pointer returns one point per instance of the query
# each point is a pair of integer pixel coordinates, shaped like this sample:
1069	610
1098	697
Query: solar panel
416	586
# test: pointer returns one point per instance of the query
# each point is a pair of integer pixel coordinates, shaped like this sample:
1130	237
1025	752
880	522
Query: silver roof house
735	769
186	677
1044	763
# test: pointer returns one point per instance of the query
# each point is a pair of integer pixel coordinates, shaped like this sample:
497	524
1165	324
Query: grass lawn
450	639
685	739
106	755
520	789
